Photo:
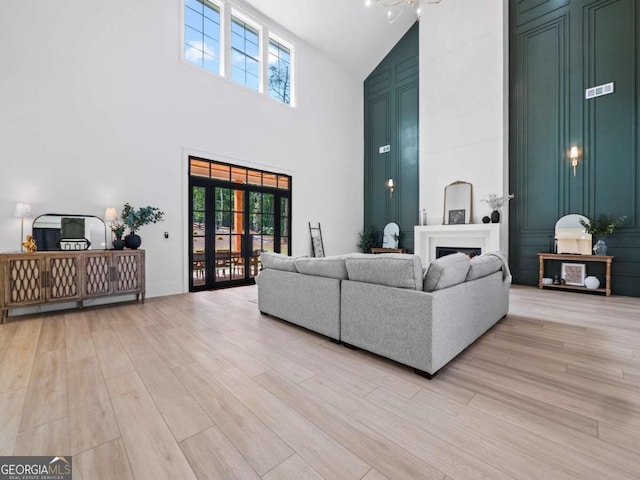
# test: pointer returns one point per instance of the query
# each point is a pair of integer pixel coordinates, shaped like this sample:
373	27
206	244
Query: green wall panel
557	50
391	118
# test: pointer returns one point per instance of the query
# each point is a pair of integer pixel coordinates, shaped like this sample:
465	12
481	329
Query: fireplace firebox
443	251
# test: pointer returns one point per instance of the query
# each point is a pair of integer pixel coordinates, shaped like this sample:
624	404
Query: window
279	71
226	41
245	54
202	34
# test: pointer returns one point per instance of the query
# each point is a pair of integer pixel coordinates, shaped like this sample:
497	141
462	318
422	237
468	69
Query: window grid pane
245	54
202	35
279	72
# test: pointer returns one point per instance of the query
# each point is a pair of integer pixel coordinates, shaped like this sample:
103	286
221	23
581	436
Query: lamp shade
22	210
110	214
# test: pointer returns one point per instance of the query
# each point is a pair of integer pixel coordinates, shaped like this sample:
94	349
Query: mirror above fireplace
457	203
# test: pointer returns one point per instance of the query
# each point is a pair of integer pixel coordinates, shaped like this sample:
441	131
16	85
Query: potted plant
118	230
495	203
600	228
135	219
368	239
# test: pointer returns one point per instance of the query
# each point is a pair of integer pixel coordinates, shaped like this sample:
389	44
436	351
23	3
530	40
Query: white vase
591	282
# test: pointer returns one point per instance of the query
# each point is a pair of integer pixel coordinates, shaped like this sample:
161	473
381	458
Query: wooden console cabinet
607	259
40	278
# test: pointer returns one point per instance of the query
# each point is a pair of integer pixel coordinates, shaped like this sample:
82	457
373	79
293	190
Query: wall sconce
22	211
391	186
574	155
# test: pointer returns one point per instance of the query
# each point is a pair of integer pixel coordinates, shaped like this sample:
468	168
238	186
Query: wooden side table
576	258
388	250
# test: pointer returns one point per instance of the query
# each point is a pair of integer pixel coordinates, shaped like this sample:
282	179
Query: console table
576	258
375	250
40	278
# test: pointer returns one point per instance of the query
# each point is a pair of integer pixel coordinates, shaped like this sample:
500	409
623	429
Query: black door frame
210	185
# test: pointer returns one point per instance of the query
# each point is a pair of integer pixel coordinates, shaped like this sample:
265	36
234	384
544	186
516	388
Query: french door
236	213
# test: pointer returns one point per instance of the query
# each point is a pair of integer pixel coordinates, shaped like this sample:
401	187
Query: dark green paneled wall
391	118
558	48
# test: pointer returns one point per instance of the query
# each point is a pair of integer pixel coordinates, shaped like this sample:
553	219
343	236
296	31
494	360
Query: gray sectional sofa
389	304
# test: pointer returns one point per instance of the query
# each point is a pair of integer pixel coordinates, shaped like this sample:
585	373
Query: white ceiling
356	37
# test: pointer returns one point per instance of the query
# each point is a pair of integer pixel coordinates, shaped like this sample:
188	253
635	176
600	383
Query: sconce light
391	186
22	211
573	155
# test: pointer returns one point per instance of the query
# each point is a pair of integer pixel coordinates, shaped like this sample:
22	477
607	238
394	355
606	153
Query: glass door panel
198	260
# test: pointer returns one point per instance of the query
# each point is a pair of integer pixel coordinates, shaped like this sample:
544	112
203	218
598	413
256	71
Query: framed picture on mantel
457	217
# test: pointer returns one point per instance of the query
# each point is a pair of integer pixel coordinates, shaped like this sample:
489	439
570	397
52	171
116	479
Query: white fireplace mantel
485	236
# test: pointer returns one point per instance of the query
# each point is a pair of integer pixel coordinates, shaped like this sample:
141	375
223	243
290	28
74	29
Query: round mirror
570	235
391	235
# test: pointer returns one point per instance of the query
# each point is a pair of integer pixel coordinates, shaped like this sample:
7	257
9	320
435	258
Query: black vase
495	216
132	241
118	244
486	219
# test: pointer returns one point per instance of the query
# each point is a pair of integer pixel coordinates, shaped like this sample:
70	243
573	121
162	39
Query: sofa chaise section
309	300
425	329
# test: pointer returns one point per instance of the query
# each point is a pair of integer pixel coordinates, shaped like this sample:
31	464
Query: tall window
279	71
245	54
202	34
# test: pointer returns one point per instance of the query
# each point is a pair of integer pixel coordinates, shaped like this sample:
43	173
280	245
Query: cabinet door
129	271
23	280
96	270
63	276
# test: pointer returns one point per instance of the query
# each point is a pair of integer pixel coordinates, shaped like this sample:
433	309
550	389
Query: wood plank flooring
204	386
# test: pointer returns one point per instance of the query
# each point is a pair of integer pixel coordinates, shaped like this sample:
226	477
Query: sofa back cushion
330	267
446	272
390	269
278	261
483	265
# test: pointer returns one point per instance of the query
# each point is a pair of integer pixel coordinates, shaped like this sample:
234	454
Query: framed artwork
457	217
574	273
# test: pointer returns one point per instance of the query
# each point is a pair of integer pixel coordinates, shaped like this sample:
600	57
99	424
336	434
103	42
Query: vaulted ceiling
355	36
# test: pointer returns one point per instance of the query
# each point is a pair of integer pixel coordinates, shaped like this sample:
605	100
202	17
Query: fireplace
483	236
470	251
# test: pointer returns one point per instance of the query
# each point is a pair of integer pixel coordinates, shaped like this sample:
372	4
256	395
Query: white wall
97	109
463	103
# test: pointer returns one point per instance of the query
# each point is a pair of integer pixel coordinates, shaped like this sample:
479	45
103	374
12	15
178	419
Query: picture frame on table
574	273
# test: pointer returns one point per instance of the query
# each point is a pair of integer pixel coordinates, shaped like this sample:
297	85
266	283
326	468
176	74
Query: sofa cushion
483	265
390	269
446	272
278	261
330	267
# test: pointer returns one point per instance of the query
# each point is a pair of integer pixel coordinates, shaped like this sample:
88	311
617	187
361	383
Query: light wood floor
203	386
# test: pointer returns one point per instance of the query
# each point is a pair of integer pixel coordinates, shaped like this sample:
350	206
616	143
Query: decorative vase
485	219
600	248
591	282
495	216
118	243
132	241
